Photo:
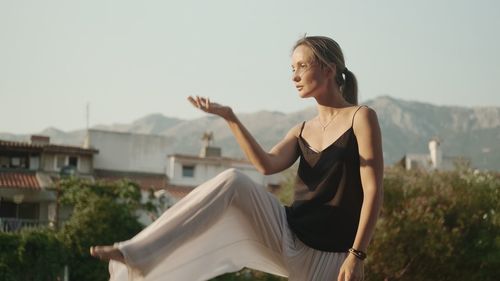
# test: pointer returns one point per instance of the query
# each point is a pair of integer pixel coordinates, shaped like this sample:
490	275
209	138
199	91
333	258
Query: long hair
328	53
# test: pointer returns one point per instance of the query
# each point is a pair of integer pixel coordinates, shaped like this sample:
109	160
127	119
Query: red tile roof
210	158
69	149
24	146
15	145
23	180
146	181
178	192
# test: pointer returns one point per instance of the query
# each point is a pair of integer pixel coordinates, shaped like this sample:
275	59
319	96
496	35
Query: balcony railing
14	225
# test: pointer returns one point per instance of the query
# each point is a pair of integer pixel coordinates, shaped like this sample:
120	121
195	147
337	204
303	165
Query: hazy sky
129	59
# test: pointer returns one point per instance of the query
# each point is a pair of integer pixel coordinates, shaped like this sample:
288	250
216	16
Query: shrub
437	226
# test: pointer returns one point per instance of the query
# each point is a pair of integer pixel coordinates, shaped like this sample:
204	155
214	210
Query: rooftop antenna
88	115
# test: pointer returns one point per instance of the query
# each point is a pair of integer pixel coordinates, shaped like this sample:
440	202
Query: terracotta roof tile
15	145
22	180
144	180
178	192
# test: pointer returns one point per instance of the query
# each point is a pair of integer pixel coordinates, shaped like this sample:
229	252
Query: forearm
372	203
253	151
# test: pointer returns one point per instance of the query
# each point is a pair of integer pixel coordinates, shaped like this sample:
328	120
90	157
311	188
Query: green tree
102	214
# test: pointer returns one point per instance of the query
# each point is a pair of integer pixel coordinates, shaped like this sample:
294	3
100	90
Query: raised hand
211	107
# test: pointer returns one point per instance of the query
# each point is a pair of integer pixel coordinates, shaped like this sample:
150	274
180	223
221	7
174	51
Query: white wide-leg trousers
223	225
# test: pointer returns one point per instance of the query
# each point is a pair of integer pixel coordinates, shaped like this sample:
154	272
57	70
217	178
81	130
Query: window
15	162
187	171
60	161
4	162
18	162
73	161
34	163
23	211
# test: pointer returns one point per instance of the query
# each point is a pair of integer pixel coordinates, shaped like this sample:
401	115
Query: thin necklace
328	123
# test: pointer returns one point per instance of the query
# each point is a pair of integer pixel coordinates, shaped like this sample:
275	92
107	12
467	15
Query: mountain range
407	126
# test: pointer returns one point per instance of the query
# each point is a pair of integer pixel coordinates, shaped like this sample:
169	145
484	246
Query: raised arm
280	157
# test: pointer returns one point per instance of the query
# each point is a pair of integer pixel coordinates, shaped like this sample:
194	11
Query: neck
330	102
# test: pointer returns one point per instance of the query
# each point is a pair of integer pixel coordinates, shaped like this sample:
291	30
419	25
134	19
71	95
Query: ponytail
350	87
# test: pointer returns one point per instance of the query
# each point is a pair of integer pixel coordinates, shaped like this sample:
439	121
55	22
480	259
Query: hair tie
345	70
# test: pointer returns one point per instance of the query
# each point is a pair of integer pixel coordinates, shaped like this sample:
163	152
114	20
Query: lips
299	87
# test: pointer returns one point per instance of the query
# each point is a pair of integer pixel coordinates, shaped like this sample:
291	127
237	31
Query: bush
437	226
10	264
33	255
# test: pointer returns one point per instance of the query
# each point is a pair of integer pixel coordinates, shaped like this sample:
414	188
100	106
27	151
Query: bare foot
107	253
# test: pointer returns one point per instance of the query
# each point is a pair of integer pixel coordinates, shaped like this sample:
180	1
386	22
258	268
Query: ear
330	70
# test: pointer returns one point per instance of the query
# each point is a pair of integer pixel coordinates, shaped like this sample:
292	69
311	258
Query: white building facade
129	152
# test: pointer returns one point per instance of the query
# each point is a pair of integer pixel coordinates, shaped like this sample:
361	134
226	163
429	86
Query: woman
229	222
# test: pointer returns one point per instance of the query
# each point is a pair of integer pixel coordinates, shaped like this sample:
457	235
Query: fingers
341	276
200	102
192	101
346	276
349	277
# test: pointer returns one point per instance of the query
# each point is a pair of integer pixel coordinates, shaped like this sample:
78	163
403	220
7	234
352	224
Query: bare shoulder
295	130
364	118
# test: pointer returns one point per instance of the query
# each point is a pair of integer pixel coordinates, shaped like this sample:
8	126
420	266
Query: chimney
40	140
435	153
207	150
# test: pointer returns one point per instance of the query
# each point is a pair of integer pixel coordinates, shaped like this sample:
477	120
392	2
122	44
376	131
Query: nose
295	76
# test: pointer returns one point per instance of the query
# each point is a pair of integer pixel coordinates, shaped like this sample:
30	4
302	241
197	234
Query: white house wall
49	162
204	171
129	152
85	164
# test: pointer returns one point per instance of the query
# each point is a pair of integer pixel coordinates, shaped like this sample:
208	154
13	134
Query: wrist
360	255
230	116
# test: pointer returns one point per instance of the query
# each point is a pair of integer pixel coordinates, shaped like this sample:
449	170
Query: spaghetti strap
352	123
302	128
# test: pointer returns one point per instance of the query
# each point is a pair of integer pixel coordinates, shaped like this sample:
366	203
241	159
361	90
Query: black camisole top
328	194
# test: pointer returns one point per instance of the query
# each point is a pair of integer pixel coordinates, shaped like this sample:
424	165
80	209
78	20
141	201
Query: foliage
10	264
32	255
437	226
103	213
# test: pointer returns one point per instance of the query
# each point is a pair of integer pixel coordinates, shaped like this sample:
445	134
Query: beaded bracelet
359	254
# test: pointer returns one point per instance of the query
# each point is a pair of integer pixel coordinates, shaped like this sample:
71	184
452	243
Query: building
185	172
28	179
140	158
434	160
29	172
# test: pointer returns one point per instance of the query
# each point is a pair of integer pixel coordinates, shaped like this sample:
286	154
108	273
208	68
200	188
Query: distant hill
407	126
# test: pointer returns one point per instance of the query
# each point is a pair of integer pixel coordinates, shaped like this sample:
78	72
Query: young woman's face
308	76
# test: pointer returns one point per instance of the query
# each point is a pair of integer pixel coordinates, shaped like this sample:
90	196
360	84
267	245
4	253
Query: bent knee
232	174
235	178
